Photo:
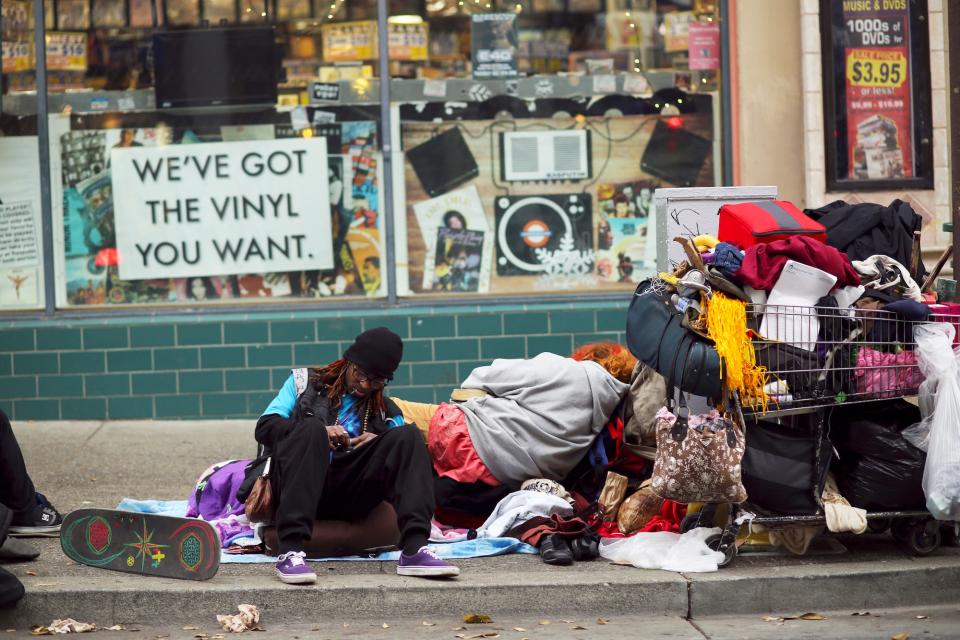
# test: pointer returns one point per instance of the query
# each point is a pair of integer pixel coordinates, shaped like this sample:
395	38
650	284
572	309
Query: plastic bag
687	553
877	468
941	475
919	434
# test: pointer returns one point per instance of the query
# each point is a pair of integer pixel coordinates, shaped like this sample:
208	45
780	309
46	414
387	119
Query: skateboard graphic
143	543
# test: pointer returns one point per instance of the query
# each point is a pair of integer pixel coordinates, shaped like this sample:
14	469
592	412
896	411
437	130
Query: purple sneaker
292	568
426	564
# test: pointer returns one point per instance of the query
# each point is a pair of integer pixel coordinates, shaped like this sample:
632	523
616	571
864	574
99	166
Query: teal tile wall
219	367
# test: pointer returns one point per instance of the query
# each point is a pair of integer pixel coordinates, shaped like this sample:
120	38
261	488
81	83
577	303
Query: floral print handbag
698	457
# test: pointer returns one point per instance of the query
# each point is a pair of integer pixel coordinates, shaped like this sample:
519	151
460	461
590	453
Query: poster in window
877	83
703	46
73	14
109	13
493	44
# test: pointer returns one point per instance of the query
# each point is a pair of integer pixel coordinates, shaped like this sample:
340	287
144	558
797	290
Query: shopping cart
817	359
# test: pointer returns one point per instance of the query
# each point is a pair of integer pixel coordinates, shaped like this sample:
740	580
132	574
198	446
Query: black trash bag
779	467
877	468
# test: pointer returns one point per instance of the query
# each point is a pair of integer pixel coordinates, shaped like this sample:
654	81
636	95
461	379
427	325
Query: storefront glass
192	174
222	152
534	134
21	258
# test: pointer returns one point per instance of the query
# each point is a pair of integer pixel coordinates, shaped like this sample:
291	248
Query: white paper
435	88
791	315
604	84
299	119
324	117
637	84
18	235
126	103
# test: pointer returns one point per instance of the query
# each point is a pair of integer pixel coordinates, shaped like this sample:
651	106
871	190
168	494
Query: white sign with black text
222	208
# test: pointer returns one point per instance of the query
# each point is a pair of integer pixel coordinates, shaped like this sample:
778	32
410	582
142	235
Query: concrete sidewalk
82	464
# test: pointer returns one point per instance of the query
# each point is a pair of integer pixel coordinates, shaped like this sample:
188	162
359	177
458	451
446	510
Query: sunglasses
364	377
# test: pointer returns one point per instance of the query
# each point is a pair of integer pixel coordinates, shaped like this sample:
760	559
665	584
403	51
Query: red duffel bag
749	223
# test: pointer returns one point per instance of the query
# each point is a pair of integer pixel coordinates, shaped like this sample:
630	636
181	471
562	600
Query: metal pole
386	146
43	137
725	89
953	63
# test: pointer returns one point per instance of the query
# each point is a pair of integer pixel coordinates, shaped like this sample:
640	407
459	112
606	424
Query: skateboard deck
142	543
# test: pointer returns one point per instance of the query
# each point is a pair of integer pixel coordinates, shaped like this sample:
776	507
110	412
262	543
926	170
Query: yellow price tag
868	68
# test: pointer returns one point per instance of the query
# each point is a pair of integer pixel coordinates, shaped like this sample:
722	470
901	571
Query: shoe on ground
425	564
292	568
555	550
13	550
43	521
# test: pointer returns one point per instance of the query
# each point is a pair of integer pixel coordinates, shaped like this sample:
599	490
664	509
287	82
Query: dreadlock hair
331	380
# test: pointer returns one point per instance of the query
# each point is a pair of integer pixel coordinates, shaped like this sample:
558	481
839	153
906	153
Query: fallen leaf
602	621
520	629
190	628
568	621
577	627
922	617
860	613
544	622
901	636
385	625
117	627
428	624
40	630
477	618
812	616
771	619
31	573
459	629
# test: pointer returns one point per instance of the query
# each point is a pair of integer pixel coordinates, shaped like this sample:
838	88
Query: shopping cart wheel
900	529
923	537
715	542
878	525
950	534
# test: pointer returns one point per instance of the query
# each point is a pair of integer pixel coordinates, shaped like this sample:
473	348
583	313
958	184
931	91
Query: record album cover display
459	253
459	210
532	228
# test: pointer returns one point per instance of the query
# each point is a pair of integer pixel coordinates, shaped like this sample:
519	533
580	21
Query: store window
535	132
21	259
877	95
189	171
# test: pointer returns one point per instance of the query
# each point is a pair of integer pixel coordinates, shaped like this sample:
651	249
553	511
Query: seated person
340	448
23	512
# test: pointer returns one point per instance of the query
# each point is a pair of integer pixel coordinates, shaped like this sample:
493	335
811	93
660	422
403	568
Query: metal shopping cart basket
818	359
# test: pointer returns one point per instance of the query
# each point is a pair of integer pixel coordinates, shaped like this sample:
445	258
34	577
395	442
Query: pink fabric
452	450
887	375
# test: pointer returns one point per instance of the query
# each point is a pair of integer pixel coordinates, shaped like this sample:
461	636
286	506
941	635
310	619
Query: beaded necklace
366	420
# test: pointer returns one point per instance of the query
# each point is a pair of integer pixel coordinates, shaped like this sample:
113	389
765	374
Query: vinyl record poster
530	229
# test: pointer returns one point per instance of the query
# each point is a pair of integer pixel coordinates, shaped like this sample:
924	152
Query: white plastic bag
919	434
665	550
941	475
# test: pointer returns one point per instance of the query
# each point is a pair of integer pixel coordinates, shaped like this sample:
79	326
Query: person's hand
362	439
338	437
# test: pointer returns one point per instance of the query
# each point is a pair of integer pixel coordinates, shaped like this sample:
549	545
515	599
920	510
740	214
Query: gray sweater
542	414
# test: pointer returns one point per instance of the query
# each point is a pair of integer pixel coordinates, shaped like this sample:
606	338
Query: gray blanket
542	414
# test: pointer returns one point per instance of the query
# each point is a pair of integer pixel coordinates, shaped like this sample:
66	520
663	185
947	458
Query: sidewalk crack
95	432
699	630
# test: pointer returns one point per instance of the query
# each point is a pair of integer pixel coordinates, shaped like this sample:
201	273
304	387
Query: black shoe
585	547
13	550
42	521
554	550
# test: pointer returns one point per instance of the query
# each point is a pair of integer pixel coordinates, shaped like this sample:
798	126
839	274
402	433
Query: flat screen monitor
216	66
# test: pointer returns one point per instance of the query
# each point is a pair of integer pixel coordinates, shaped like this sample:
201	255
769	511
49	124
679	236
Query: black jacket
312	405
868	229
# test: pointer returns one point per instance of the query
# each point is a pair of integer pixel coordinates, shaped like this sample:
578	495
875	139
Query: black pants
394	467
16	494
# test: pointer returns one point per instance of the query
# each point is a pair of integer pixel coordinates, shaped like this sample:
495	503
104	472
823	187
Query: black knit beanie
377	351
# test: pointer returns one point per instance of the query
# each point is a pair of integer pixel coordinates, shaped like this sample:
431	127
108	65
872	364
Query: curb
612	590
